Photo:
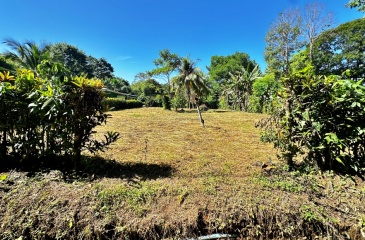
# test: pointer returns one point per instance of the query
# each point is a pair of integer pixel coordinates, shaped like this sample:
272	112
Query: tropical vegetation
308	106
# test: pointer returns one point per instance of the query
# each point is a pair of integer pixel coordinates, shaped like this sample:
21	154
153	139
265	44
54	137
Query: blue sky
130	33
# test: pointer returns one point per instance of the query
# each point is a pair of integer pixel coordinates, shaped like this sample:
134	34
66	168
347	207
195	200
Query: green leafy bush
264	91
322	122
166	103
114	104
50	116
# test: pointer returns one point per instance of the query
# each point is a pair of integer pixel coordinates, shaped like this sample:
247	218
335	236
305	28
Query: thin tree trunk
169	88
76	151
200	115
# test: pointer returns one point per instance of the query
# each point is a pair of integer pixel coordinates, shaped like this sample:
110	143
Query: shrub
114	104
53	117
264	93
323	122
166	103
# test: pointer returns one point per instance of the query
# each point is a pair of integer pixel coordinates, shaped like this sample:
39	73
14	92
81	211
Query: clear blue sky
130	33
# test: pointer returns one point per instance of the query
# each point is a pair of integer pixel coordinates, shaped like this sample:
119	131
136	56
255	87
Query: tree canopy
341	50
26	55
166	64
221	66
78	63
360	4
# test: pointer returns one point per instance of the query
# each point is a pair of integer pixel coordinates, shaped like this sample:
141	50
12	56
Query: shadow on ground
91	168
100	167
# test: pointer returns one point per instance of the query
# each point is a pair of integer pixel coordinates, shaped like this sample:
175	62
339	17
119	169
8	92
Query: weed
137	198
211	183
307	213
288	185
182	195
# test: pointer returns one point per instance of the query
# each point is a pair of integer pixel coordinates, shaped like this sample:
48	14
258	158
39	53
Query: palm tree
27	55
239	87
191	80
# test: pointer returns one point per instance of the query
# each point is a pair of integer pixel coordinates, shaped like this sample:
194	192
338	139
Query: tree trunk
76	151
200	115
169	87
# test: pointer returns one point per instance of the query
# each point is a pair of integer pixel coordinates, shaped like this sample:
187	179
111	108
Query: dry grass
167	177
228	145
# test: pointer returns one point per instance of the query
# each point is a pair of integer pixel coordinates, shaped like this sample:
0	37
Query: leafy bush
50	117
114	104
264	93
323	122
178	101
166	103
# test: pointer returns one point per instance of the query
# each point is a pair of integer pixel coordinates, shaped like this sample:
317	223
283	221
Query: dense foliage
323	122
77	62
115	104
48	111
118	84
222	71
264	94
318	109
149	91
360	4
341	50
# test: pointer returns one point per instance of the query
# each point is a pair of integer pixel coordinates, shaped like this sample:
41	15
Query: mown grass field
169	178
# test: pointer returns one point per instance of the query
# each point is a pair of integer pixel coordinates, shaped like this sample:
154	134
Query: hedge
114	104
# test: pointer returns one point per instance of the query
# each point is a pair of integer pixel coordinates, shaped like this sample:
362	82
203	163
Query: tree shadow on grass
91	168
100	167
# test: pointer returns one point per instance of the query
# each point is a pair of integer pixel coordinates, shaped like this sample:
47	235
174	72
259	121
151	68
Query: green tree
239	87
190	79
264	92
360	4
117	84
166	64
74	59
78	63
26	55
220	69
99	68
149	91
221	66
341	50
282	41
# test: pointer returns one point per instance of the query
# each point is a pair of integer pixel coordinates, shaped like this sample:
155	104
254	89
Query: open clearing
169	178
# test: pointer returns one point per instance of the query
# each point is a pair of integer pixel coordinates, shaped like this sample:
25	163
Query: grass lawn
169	178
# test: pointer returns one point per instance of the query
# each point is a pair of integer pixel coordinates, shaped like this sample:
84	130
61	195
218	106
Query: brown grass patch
229	144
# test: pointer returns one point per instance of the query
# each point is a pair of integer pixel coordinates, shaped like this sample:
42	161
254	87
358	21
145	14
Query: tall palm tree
27	55
239	87
191	80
